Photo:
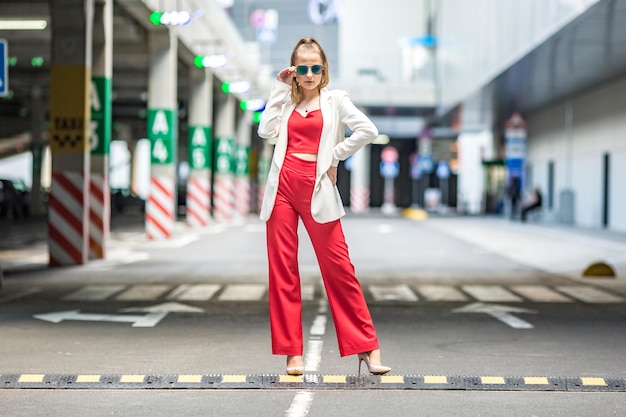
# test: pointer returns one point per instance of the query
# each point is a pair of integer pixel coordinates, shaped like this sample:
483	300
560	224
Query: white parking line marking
392	293
540	294
319	326
589	294
313	355
308	292
143	292
441	293
491	293
94	292
242	292
198	292
300	405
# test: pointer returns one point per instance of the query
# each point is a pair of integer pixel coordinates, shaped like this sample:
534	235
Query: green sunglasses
304	69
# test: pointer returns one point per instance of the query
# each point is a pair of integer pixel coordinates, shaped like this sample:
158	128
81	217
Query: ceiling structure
591	50
213	32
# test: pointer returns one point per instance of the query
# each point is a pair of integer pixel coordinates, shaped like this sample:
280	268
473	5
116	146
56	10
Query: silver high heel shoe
374	369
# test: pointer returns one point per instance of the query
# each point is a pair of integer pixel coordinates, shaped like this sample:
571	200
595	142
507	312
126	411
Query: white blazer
338	111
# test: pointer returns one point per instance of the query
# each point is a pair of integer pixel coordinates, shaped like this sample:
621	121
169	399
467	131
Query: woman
308	122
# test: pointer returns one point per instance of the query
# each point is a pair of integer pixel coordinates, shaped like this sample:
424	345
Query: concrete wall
598	127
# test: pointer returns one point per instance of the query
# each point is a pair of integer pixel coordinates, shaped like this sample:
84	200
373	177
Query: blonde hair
308	45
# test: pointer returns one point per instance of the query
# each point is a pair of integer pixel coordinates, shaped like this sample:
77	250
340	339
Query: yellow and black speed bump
311	382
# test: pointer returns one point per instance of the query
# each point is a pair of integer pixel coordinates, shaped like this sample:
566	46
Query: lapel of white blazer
324	157
281	144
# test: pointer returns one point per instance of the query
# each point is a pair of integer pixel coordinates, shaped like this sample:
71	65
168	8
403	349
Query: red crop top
304	132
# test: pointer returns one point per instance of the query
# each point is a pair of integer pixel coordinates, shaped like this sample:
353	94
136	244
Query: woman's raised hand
286	75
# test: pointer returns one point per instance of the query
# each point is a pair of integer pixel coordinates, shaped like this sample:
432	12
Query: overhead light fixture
210	61
21	24
236	87
254	104
173	18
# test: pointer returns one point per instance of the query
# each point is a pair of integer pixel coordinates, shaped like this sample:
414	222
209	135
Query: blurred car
14	198
124	200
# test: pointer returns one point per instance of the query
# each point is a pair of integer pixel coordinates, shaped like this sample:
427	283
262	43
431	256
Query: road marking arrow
149	320
500	312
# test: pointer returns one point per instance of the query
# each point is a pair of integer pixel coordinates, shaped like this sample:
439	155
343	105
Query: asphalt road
476	317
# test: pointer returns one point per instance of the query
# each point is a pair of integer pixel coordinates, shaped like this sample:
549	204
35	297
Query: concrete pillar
200	149
476	144
242	165
162	129
360	181
223	186
70	118
37	117
100	139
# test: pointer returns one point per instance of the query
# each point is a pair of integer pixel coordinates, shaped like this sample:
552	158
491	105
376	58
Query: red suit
353	323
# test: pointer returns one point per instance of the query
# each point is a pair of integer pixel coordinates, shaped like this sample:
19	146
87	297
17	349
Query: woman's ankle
295	360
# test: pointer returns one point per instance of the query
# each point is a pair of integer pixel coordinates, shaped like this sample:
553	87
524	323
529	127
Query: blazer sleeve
363	130
269	126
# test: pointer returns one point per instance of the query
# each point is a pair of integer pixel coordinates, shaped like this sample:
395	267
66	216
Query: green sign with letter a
224	155
199	147
162	135
241	160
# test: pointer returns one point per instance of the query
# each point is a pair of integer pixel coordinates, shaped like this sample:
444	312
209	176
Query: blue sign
515	167
4	69
427	164
443	170
266	35
389	169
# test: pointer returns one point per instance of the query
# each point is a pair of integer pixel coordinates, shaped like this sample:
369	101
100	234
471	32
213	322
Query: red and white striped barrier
99	215
67	214
359	199
160	208
242	196
223	202
198	202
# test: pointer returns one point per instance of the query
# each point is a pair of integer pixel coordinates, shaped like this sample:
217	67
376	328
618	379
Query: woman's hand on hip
332	174
286	75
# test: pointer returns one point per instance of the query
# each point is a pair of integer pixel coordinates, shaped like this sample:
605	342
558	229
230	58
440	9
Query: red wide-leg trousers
353	322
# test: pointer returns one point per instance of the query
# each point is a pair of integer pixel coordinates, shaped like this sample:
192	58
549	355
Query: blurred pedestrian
533	204
514	192
306	121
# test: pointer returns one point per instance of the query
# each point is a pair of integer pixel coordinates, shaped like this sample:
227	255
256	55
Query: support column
223	186
70	117
360	181
199	136
37	119
242	165
163	133
100	139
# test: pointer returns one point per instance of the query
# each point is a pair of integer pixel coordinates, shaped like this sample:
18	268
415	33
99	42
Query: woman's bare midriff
306	156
